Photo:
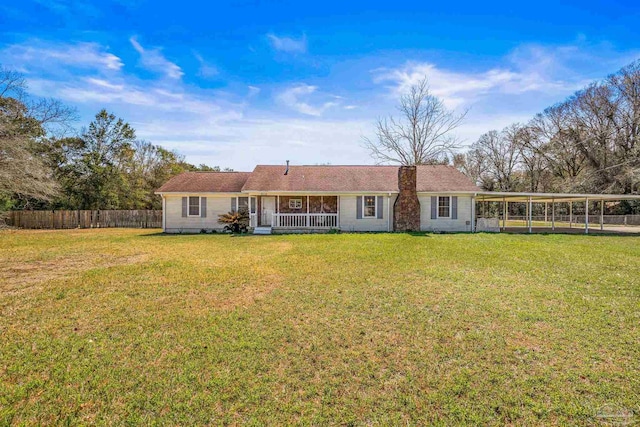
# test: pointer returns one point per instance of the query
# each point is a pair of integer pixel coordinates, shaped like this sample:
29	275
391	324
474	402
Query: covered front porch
295	212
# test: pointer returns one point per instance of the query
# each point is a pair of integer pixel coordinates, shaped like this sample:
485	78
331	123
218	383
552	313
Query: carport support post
586	216
602	215
570	213
504	213
553	215
546	217
529	213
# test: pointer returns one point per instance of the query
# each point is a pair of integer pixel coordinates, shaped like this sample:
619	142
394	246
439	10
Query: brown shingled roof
433	178
329	179
205	182
430	178
323	178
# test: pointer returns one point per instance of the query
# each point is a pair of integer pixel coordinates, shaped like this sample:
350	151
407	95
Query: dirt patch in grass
17	277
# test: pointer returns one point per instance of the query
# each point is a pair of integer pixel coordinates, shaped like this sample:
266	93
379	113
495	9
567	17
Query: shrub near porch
129	326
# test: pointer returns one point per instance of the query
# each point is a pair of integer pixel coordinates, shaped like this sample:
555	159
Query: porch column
529	214
553	215
586	216
546	217
602	215
307	222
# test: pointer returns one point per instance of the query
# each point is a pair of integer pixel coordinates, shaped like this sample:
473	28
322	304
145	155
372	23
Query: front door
268	208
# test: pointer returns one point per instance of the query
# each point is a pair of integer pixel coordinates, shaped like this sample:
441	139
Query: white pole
389	212
504	214
553	215
602	215
570	213
546	217
530	209
473	214
586	216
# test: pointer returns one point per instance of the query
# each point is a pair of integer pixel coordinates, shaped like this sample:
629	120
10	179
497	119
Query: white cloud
154	60
457	88
206	70
38	54
545	70
253	91
288	44
297	98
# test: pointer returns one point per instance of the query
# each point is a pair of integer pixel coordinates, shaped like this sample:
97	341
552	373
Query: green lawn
131	326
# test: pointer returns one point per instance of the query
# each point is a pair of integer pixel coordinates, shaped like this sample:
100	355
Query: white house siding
350	222
463	223
175	223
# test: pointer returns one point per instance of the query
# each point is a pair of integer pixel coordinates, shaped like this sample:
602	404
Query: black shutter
380	206
185	202
233	204
203	207
359	207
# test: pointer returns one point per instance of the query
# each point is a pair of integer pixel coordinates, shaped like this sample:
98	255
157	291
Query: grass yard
134	327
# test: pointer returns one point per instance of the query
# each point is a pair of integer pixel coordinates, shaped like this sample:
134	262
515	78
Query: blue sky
244	82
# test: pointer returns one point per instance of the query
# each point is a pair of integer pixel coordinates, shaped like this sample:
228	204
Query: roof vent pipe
286	172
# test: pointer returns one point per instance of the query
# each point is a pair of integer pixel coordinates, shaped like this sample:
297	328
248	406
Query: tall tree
93	167
24	123
422	134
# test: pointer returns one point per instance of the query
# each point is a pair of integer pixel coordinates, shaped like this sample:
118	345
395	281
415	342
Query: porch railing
253	220
312	220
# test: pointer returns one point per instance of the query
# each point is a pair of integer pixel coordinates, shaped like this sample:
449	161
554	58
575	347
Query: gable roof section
205	182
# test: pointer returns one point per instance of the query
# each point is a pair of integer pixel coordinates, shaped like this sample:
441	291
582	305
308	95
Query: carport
570	222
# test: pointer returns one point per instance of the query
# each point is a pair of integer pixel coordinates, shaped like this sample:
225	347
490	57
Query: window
444	207
194	206
243	204
295	203
369	206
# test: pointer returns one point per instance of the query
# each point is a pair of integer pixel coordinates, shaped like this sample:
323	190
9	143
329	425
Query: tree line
45	163
588	143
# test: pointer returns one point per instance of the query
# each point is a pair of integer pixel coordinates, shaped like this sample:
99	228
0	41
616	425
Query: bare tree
421	135
499	154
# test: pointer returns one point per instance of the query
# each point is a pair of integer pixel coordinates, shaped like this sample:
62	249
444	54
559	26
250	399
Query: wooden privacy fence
85	219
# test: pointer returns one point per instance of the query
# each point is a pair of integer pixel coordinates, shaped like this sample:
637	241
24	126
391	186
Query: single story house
308	198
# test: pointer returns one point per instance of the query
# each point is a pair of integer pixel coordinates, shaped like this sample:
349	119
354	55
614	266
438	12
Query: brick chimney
406	210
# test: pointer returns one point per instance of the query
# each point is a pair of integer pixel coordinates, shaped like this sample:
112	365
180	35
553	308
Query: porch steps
262	230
